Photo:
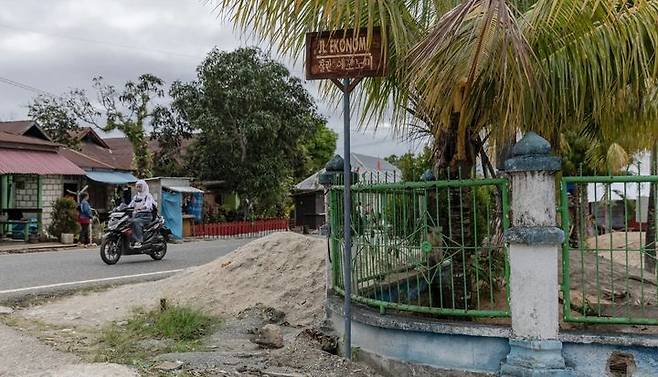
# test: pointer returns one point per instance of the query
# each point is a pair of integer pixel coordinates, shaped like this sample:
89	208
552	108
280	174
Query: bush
64	217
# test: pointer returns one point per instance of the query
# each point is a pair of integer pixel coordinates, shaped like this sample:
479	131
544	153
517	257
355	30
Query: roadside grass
149	333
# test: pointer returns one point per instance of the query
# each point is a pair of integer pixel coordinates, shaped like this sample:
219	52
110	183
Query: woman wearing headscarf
143	205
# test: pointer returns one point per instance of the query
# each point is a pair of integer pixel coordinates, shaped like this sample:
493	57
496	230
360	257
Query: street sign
344	54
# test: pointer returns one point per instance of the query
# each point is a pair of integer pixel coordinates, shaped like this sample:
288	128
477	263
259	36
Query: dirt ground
284	270
22	355
283	273
613	282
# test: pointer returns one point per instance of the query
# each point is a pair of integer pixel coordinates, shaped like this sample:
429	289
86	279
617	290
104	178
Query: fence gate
426	247
608	267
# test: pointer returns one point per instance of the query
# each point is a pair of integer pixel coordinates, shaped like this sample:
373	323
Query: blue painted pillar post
535	350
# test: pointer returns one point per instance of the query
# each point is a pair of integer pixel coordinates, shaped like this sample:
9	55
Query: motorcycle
117	240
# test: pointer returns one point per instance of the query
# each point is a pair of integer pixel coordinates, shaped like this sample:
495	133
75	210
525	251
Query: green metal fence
426	247
608	268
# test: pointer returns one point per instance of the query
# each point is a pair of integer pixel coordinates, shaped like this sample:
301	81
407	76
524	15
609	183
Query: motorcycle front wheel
111	250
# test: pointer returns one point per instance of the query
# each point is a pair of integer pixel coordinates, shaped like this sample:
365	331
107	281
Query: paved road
45	272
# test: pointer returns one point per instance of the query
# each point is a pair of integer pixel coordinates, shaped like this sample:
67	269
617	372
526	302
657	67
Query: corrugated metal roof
183	189
83	161
24	128
6	137
363	165
16	127
111	177
17	161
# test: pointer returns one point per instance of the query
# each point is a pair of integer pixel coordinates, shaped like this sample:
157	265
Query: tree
253	123
170	130
59	116
460	68
130	111
412	166
317	149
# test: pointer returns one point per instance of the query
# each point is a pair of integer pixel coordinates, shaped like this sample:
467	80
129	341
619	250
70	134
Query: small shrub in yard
176	329
64	217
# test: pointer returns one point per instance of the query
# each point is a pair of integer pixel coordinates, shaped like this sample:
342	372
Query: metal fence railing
609	253
234	229
426	247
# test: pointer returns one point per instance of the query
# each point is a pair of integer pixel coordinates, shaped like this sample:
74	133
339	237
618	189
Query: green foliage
64	217
177	329
317	150
457	68
256	127
181	323
60	116
412	166
129	111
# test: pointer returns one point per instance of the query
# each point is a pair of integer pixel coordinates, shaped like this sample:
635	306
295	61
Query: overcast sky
61	44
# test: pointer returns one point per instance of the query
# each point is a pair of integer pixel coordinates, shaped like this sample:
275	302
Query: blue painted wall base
535	358
454	348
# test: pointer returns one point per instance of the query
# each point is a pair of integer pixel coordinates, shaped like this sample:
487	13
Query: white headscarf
143	201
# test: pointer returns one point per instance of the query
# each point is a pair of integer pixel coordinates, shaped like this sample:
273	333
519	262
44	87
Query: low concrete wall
446	346
404	346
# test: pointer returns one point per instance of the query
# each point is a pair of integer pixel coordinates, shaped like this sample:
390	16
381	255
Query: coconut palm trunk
458	202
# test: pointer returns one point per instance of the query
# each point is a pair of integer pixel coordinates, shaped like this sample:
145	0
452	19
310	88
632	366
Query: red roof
8	140
16	127
83	160
17	161
122	151
24	128
87	134
116	159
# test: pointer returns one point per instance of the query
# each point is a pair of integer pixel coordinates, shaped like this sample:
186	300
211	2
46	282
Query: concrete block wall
52	189
25	191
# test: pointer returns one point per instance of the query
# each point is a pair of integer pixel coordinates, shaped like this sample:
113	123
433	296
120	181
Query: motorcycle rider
143	204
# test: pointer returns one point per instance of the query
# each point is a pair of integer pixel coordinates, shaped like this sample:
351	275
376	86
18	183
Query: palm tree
469	70
461	68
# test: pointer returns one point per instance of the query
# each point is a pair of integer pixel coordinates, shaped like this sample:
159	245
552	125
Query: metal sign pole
347	228
327	58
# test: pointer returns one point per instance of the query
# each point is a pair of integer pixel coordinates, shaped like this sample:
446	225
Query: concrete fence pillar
533	239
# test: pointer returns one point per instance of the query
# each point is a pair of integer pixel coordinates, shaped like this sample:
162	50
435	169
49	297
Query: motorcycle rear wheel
111	251
159	254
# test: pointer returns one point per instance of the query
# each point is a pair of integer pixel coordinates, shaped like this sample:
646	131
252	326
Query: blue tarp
195	205
171	211
111	177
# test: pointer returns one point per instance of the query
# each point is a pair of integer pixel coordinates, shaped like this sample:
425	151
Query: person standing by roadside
85	219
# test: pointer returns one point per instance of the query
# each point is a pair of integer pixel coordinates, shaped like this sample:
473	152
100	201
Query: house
106	172
308	195
33	174
618	205
122	151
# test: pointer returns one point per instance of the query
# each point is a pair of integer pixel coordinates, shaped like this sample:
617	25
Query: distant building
33	174
309	198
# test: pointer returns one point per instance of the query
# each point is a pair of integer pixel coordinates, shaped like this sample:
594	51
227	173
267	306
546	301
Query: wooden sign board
344	54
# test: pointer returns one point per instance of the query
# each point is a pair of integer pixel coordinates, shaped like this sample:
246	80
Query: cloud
59	45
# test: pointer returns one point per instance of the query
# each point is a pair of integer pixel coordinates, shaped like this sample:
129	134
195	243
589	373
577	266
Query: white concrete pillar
533	241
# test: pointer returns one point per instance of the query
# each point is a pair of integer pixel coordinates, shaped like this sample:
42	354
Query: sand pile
284	270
